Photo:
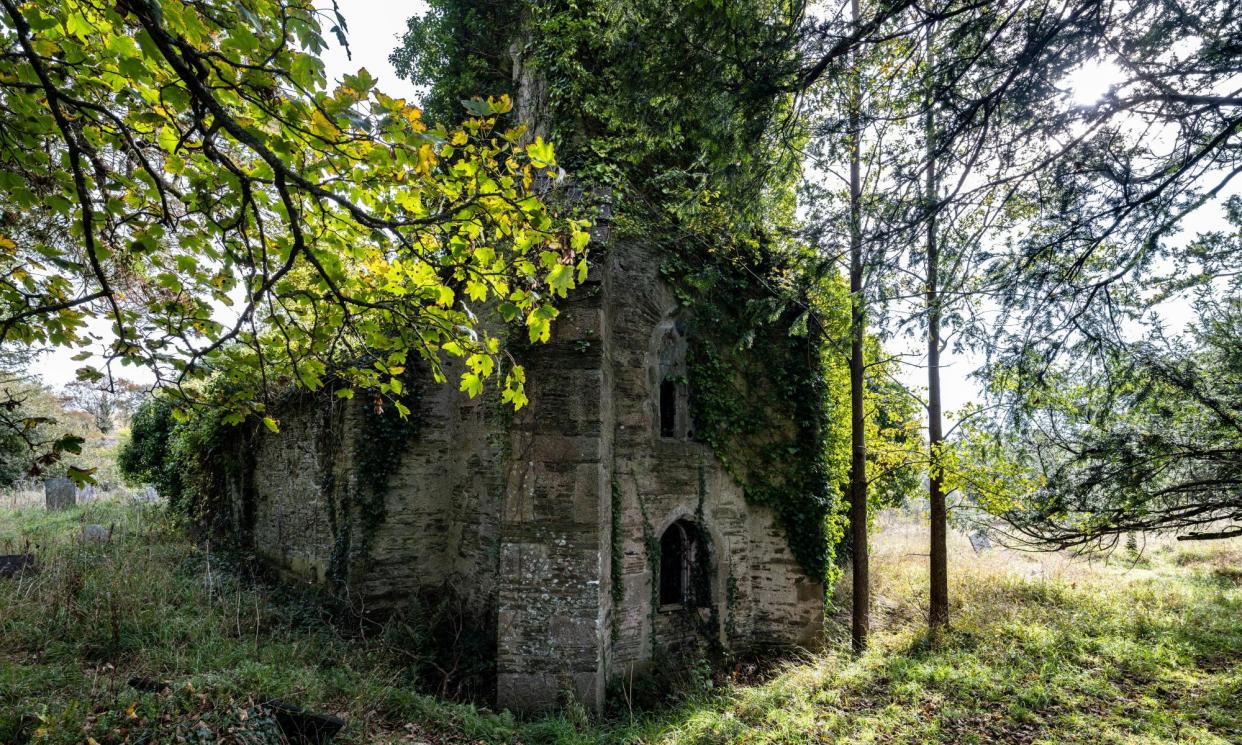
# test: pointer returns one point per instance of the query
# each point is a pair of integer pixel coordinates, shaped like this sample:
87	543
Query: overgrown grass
1041	651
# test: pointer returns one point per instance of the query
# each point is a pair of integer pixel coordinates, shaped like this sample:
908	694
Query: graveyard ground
1142	649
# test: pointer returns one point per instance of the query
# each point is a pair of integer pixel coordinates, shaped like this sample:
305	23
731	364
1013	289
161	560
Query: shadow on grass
1098	659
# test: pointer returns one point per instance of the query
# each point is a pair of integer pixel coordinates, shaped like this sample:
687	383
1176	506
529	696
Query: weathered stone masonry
517	510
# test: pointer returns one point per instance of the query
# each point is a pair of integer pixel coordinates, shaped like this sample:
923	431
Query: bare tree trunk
861	612
939	616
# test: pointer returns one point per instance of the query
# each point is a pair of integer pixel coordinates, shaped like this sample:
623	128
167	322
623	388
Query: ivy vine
379	440
671	107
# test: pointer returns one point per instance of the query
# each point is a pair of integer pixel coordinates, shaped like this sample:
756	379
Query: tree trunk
939	616
861	612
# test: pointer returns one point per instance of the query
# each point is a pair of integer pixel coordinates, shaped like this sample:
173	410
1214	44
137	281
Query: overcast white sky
375	28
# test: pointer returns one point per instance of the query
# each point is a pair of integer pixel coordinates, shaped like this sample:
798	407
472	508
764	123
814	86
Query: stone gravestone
12	565
61	494
96	534
86	494
979	541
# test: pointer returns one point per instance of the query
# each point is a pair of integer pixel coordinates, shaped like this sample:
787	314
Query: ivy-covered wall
755	590
378	507
678	109
551	518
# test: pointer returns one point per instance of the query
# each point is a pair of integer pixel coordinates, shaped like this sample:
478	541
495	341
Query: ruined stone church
593	532
590	526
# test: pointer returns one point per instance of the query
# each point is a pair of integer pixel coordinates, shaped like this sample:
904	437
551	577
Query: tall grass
1043	649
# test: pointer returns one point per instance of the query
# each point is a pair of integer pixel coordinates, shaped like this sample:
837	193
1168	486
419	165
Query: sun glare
1090	81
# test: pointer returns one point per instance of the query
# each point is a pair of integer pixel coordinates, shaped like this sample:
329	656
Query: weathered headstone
979	541
148	685
61	494
96	533
304	727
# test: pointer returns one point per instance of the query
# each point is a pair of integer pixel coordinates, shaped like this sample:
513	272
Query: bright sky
375	29
1088	84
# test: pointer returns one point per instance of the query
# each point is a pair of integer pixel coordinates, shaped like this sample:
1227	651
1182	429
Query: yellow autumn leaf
320	125
426	159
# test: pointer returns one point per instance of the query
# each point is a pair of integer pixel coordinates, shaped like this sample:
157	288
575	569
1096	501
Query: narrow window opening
683	569
668	408
673	565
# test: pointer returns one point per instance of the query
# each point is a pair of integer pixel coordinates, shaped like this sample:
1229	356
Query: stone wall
441	507
554	569
291	525
759	591
517	509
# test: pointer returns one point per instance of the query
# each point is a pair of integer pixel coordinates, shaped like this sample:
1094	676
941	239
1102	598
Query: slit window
670	392
668	408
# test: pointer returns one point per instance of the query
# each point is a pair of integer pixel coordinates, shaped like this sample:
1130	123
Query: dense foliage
183	190
1142	437
679	111
37	424
186	459
676	102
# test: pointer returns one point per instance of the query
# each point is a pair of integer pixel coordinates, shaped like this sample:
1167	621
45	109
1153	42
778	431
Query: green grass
1121	653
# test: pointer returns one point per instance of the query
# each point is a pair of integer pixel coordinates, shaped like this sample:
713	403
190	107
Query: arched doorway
685	579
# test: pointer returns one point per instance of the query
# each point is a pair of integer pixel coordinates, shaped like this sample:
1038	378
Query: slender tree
861	609
938	553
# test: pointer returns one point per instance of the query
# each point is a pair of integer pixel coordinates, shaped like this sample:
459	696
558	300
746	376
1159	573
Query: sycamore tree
183	190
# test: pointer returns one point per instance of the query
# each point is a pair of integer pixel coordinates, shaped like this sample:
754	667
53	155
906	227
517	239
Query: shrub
186	458
143	459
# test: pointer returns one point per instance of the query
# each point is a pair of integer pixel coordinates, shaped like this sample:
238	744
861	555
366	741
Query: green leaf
168	139
477	107
81	476
539	323
476	290
89	374
69	444
561	280
472	384
77	25
540	153
579	239
306	70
